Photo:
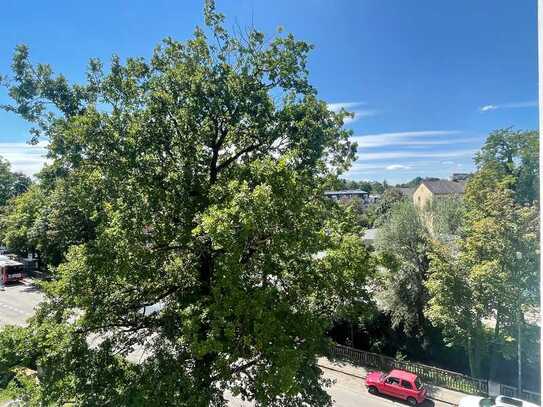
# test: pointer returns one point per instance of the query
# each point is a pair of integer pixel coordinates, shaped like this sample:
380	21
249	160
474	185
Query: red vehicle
402	385
10	270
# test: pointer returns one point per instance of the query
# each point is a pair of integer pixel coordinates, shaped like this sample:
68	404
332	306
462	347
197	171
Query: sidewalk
434	392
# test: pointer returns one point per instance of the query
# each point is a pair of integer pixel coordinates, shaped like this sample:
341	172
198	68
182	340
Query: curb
363	377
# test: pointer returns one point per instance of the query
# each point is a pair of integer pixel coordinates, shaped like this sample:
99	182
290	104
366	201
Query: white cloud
515	105
360	113
447	162
387	155
25	158
488	107
395	167
406	138
358	166
336	107
353	107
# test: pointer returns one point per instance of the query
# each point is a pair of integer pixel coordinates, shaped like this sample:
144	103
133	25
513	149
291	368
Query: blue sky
427	79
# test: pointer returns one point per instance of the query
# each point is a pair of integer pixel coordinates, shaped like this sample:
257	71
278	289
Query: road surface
348	391
18	301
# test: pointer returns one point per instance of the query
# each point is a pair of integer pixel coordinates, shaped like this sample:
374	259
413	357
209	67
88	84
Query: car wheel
373	390
412	401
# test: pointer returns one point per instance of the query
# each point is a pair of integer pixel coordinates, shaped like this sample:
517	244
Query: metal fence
428	374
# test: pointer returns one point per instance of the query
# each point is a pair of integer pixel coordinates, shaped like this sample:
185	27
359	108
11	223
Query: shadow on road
427	402
31	289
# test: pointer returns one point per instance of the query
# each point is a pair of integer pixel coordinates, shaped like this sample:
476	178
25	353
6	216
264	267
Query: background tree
11	183
202	173
453	304
48	220
491	270
387	201
18	219
402	242
512	157
446	218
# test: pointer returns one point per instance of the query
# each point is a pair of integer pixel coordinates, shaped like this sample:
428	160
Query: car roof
505	401
401	374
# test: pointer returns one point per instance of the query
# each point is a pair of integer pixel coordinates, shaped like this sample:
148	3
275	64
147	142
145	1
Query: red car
403	385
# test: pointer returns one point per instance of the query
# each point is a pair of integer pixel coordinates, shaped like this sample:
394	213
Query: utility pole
519	351
519	332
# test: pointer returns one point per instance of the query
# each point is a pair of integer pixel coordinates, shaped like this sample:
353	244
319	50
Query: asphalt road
349	391
18	301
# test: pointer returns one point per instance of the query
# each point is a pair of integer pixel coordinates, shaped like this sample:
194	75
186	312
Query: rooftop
346	192
445	187
6	261
408	192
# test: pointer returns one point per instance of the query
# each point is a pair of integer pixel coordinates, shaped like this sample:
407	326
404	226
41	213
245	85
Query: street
17	304
348	391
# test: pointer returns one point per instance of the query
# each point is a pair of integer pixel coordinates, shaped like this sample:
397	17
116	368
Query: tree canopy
490	272
198	177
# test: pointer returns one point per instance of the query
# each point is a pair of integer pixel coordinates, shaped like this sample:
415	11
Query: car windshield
418	383
15	270
486	403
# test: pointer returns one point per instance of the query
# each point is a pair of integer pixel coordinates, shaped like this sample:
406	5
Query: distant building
348	194
374	198
430	190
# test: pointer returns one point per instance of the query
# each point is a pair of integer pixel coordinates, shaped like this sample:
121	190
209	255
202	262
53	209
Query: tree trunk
203	367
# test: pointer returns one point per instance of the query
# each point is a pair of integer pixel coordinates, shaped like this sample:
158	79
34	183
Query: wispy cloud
407	138
396	167
487	108
336	107
353	107
25	158
387	155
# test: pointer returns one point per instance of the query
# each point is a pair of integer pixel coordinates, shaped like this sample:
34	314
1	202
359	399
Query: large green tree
489	273
490	270
202	172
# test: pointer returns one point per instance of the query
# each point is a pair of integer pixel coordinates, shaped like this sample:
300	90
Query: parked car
475	401
499	401
504	401
399	384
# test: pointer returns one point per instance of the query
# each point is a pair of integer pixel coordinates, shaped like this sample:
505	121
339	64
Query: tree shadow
400	402
31	289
